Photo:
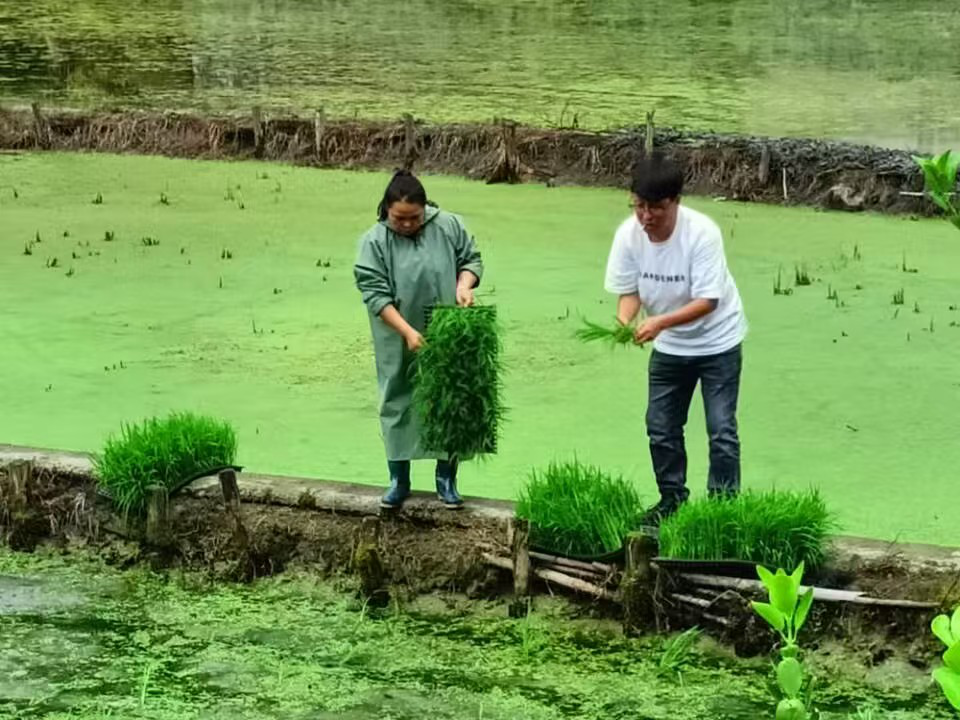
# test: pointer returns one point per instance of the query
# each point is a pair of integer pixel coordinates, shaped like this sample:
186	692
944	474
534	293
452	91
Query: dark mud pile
773	170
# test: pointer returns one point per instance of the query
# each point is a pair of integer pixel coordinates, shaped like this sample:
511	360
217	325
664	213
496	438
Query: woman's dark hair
405	187
656	177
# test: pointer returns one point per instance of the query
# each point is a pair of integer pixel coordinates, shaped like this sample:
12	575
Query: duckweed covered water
87	641
251	315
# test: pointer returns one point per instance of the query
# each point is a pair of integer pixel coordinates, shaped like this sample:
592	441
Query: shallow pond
80	639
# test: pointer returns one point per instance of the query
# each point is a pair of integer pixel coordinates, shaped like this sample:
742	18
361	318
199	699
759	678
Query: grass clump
619	334
457	382
577	509
778	529
164	452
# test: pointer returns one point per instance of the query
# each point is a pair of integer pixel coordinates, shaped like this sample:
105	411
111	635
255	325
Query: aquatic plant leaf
955	624
951	658
949	682
783	593
791	709
803	609
941	628
769	613
790	677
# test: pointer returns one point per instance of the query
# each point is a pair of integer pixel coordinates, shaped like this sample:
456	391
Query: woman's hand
414	340
464	296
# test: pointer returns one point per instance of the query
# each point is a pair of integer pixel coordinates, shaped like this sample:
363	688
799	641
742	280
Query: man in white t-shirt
668	260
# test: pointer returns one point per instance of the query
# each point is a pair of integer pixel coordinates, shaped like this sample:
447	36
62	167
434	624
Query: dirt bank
329	528
772	170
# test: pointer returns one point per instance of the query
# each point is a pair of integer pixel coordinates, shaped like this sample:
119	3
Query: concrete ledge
350	498
282	490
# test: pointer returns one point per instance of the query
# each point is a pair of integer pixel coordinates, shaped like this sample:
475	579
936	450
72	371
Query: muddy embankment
265	524
772	170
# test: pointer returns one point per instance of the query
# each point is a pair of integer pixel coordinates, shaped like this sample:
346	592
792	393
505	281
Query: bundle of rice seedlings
576	509
457	383
775	528
164	452
619	334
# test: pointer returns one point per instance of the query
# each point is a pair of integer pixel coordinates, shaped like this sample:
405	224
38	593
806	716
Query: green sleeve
468	257
371	275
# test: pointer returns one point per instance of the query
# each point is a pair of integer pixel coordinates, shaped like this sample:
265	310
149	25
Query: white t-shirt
689	265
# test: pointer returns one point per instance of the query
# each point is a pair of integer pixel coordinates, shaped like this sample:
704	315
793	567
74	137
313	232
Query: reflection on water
885	71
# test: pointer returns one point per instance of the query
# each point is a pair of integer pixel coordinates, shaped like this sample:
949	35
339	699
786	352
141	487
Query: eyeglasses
654	208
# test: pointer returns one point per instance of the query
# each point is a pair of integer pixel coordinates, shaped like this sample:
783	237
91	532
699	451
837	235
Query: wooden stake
521	568
784	175
231	501
648	139
41	131
259	139
319	121
158	516
367	562
763	174
409	141
639	581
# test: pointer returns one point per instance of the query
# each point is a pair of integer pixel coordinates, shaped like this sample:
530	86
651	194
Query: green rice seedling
801	276
905	268
619	334
16	195
831	293
226	254
940	182
70	272
457	386
577	509
162	452
37	239
676	653
164	200
774	528
109	236
916	307
856	252
28	248
778	288
148	241
228	195
898	297
53	262
66	233
98	200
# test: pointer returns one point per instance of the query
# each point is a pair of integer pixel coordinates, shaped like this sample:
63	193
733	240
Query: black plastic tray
729	568
103	492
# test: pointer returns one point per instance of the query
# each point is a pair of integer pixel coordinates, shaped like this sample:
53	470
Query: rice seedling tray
727	568
177	487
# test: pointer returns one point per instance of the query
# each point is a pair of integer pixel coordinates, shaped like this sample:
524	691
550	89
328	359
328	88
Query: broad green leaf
766	577
791	710
949	163
955	625
797	577
941	628
949	682
951	658
803	609
771	615
783	594
790	677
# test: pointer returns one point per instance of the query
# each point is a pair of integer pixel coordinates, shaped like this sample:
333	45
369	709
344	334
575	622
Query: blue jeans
672	380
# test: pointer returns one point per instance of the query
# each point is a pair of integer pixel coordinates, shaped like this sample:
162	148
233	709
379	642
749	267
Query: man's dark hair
405	187
656	177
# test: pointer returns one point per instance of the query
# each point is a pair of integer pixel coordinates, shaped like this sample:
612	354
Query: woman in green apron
416	256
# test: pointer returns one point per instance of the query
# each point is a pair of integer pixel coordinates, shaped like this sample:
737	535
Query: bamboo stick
554	577
557	560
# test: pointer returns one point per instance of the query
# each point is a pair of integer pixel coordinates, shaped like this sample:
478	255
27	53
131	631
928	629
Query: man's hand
648	330
414	340
464	295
